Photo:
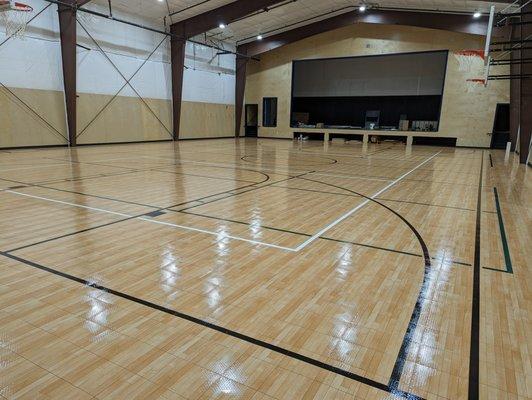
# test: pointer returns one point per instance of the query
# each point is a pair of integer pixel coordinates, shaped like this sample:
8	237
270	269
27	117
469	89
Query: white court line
225	236
220	235
354	210
68	204
217	234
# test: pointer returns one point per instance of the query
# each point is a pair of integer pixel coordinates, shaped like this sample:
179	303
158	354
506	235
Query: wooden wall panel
126	119
19	127
467	116
200	120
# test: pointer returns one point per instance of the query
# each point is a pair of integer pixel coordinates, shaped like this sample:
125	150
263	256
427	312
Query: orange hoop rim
471	53
21	7
476	80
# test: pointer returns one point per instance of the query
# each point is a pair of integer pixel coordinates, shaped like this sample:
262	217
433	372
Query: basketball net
15	17
471	63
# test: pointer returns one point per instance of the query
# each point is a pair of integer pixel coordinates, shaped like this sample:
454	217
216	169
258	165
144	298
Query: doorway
501	126
252	120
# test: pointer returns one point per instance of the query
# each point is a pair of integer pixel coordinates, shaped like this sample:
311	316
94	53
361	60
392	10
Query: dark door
501	127
252	120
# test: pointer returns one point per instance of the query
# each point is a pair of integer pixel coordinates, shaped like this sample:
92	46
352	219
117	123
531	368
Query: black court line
394	250
134	171
277	349
447	171
254	187
202	176
97	196
154	214
241	223
439	182
91	163
78	178
474	357
324	237
118	200
393	384
491	161
73	233
363	177
226	191
84	178
238	166
35	185
245	159
504	271
395	378
504	241
316	191
17	187
154	169
425	204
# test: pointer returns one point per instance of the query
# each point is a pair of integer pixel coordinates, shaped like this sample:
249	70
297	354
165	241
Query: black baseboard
275	138
212	138
43	146
346	137
113	143
474	147
320	136
394	138
47	146
435	141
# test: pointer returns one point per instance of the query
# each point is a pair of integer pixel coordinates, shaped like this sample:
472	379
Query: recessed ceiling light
477	14
259	37
221	26
362	8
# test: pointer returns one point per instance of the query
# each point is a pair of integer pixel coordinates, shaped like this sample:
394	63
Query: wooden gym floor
264	269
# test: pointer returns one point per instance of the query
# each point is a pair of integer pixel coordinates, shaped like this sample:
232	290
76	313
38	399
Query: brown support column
67	25
515	86
526	87
240	89
177	50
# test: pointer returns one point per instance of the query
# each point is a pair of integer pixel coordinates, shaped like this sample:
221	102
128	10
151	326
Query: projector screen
407	74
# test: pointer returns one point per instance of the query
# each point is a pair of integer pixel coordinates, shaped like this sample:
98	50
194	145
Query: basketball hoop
15	17
466	58
472	84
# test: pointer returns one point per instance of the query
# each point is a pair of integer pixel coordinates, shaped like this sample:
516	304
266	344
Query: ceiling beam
223	15
81	3
451	22
188	28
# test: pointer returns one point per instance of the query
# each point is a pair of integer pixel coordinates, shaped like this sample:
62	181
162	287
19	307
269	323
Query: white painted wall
36	61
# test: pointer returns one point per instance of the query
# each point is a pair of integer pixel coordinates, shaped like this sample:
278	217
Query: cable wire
126	84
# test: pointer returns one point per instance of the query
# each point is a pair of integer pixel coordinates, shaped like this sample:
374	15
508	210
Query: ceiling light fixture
259	37
221	26
362	8
477	14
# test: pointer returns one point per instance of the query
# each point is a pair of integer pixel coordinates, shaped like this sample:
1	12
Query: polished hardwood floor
264	269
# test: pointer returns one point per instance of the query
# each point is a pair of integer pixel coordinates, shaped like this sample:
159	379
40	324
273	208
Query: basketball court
282	241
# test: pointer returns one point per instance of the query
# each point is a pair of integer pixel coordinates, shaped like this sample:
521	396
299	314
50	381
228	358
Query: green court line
507	258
